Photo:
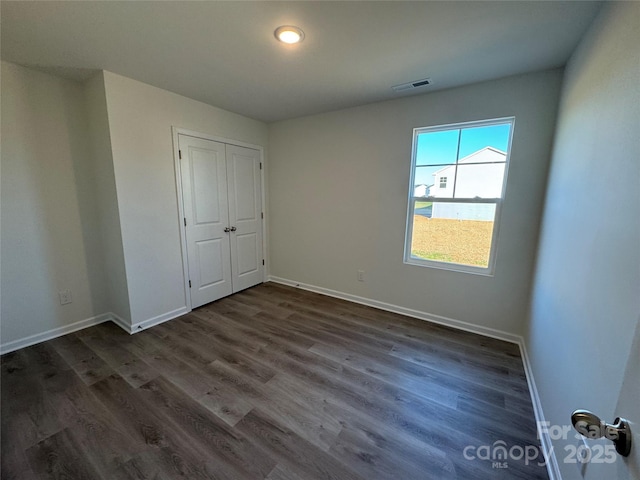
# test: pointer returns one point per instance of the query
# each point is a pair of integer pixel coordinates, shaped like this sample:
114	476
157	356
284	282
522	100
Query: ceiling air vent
411	85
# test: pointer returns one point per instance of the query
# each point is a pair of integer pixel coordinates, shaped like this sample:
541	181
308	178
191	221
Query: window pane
423	180
459	173
480	180
453	232
475	139
442	180
437	148
423	208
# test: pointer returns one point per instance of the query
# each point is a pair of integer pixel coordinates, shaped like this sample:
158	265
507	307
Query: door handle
233	229
227	229
590	426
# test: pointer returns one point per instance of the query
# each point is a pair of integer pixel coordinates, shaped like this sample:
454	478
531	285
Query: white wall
49	240
140	121
586	294
108	216
338	196
89	198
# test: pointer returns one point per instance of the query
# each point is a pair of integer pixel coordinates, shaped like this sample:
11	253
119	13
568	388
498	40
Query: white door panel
245	214
244	182
222	200
211	256
204	188
248	261
206	200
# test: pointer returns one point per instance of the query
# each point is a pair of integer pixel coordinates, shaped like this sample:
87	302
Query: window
455	227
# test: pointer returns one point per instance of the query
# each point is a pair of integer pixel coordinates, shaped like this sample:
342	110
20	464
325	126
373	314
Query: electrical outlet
65	297
361	275
583	455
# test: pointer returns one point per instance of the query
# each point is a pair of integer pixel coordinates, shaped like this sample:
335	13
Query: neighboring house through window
455	226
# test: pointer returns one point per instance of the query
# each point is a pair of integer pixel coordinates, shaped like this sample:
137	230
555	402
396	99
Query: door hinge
185	221
260	165
261	214
180	154
189	283
263	261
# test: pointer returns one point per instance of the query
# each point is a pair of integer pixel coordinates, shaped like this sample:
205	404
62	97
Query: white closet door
245	216
203	169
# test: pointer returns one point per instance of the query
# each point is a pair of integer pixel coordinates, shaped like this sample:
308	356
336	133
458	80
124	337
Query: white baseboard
547	447
165	317
53	333
90	322
429	317
545	440
121	322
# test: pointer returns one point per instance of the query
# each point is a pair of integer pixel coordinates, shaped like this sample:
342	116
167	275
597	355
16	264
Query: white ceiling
225	54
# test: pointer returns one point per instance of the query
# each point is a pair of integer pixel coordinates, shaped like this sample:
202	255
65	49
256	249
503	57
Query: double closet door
222	200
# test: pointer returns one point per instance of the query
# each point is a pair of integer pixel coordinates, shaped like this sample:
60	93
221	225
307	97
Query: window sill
452	267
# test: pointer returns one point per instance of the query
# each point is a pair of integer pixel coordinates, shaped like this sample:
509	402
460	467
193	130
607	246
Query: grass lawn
459	241
421	204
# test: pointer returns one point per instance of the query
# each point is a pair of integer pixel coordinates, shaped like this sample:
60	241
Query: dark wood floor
274	383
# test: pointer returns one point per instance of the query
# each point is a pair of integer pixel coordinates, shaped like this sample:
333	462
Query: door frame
175	131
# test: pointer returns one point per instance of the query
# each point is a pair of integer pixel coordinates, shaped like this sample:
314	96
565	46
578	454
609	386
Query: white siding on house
464	211
484	181
472	180
421	191
439	177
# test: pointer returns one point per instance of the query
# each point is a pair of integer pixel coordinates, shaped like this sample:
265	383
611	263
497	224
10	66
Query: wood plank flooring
271	383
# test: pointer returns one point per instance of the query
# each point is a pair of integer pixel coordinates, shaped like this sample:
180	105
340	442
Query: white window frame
457	267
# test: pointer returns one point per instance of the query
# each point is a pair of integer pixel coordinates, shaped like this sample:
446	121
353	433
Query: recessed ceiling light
289	34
